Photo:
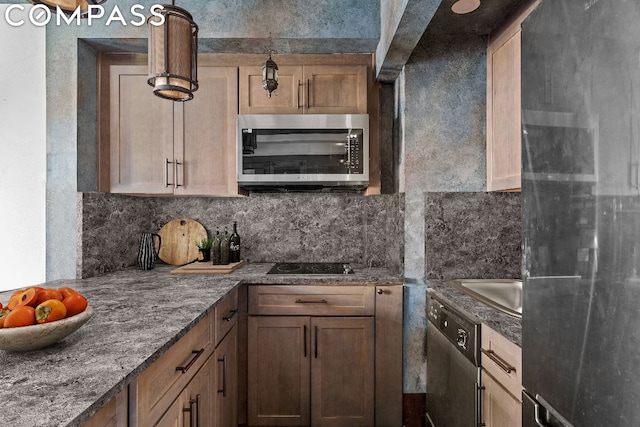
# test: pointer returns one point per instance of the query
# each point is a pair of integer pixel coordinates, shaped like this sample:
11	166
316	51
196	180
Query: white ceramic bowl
33	337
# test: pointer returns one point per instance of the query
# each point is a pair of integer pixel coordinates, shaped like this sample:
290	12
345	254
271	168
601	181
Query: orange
28	297
47	294
75	304
22	315
3	315
67	291
50	311
14	300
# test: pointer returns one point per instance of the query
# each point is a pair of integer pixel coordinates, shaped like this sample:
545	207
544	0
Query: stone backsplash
303	227
472	235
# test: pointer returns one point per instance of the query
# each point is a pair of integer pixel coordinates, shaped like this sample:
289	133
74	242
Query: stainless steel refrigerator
581	213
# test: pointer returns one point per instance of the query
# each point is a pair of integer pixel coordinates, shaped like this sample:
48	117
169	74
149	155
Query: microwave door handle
349	154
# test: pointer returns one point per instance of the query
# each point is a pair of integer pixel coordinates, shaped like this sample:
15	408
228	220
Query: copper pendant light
173	54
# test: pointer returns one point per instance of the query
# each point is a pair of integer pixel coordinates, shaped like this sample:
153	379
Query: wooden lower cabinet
226	400
195	405
113	414
316	371
499	407
501	362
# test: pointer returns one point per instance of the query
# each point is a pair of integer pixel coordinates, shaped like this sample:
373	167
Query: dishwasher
453	367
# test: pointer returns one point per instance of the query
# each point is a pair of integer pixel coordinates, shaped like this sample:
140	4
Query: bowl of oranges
37	317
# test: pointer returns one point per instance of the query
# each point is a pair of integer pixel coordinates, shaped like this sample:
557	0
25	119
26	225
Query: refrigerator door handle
537	415
542	411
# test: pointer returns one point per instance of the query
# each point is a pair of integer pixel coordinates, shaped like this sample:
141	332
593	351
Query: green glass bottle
224	248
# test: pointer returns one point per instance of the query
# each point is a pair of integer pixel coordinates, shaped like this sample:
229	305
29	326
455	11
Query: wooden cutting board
207	267
179	238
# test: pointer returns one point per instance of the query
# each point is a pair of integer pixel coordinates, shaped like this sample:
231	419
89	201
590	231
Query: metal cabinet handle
298	95
224	376
502	364
176	174
304	338
229	316
478	401
307	301
190	411
166	172
316	341
537	414
380	291
308	94
197	353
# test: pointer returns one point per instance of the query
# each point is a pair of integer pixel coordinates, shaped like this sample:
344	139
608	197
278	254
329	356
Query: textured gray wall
443	124
273	227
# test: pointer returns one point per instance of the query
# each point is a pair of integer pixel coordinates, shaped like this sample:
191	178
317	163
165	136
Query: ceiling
481	21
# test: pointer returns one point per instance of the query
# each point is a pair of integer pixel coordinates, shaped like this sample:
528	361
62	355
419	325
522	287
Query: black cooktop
311	268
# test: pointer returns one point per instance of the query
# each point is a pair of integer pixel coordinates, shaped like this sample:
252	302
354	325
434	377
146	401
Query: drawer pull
197	353
502	364
316	344
229	316
311	301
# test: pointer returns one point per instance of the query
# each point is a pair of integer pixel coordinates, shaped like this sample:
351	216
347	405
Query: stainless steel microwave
303	151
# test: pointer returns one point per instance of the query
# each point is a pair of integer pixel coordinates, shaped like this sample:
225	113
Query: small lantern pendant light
173	54
269	76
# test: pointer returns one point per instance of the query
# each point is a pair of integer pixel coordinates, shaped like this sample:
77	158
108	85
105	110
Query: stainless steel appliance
581	237
453	366
311	268
303	151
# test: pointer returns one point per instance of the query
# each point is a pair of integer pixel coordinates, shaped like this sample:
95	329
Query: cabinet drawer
503	360
311	300
161	383
226	313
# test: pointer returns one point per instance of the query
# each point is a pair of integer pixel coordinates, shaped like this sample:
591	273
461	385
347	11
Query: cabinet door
278	371
195	405
335	89
227	379
504	121
499	407
287	99
199	407
389	303
205	136
141	134
342	371
113	414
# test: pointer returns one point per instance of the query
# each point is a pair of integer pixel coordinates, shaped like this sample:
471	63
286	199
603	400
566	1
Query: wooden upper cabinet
141	133
206	138
311	89
158	146
335	89
504	124
287	99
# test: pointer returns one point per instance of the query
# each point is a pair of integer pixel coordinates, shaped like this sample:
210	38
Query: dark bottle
215	249
234	244
224	248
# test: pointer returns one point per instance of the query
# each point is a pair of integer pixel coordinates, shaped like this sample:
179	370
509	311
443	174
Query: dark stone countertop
508	326
138	316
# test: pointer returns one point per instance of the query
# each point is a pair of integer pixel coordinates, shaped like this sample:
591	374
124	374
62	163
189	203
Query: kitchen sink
502	294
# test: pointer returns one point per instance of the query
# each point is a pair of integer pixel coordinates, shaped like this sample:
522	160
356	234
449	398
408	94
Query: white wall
23	153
